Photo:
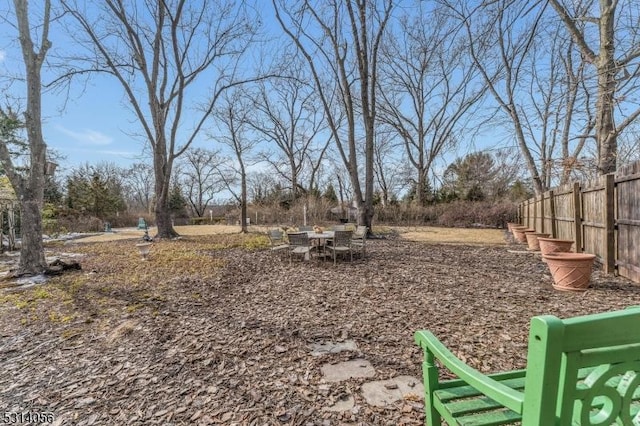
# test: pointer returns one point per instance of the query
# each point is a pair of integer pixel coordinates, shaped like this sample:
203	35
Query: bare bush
480	213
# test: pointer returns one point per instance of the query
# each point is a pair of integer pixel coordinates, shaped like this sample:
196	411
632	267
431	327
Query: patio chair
341	244
358	240
299	245
278	242
336	228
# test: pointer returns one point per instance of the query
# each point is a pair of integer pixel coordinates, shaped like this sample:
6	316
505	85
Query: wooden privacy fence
601	215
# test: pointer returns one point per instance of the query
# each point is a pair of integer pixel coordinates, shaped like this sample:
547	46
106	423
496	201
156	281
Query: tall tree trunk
30	190
163	218
606	66
32	260
162	182
606	134
243	203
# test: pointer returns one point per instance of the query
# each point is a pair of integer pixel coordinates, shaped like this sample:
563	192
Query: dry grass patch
115	278
471	236
191	230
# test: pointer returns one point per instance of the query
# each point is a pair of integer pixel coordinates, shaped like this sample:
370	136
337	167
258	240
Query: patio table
319	239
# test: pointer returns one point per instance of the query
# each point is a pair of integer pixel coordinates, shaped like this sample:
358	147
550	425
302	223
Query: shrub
81	223
477	213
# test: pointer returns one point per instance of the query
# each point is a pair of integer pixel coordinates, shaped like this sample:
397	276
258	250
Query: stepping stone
385	392
355	369
343	404
319	349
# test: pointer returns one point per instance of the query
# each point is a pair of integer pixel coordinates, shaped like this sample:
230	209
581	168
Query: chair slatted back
342	238
276	236
298	239
592	362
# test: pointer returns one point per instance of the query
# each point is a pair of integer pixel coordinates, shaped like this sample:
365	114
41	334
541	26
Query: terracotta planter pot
554	245
532	239
510	225
570	271
514	228
519	233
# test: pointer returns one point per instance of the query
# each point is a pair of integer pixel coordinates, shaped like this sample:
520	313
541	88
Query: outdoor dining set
307	242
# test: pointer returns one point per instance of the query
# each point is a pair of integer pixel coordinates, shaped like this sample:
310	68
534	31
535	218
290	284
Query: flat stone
356	368
36	279
385	392
344	404
319	349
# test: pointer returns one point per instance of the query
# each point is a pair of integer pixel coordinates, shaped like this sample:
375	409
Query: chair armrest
495	390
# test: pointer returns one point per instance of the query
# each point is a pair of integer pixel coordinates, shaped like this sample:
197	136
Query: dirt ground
218	330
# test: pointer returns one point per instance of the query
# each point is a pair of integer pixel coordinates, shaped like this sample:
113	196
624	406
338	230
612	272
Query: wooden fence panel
564	212
602	216
593	217
539	211
628	221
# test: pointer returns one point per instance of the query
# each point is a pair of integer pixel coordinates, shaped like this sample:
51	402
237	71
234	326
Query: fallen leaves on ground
217	330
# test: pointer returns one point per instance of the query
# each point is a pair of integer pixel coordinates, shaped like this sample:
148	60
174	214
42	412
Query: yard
215	329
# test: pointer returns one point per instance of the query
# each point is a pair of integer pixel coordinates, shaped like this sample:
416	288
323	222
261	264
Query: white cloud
87	136
3	54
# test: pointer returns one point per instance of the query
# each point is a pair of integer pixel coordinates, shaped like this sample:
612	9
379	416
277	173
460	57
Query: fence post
541	213
577	216
552	206
609	223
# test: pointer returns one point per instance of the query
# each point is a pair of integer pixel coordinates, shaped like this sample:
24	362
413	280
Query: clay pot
570	271
510	225
532	239
519	233
516	227
554	245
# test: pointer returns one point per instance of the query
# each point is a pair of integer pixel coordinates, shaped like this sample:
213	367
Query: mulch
233	347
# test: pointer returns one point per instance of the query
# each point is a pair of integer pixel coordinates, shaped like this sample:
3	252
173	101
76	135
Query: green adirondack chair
580	371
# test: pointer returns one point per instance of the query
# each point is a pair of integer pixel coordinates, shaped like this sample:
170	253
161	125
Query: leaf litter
218	330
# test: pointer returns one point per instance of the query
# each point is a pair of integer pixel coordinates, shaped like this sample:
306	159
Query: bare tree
617	74
163	53
138	184
28	183
389	168
340	41
429	85
199	178
287	115
557	118
231	119
500	35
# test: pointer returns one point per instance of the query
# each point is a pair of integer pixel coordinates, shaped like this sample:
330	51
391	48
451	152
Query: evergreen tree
95	191
177	201
330	193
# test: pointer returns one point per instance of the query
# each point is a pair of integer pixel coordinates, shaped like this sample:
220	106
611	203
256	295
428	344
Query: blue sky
89	123
93	126
92	123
